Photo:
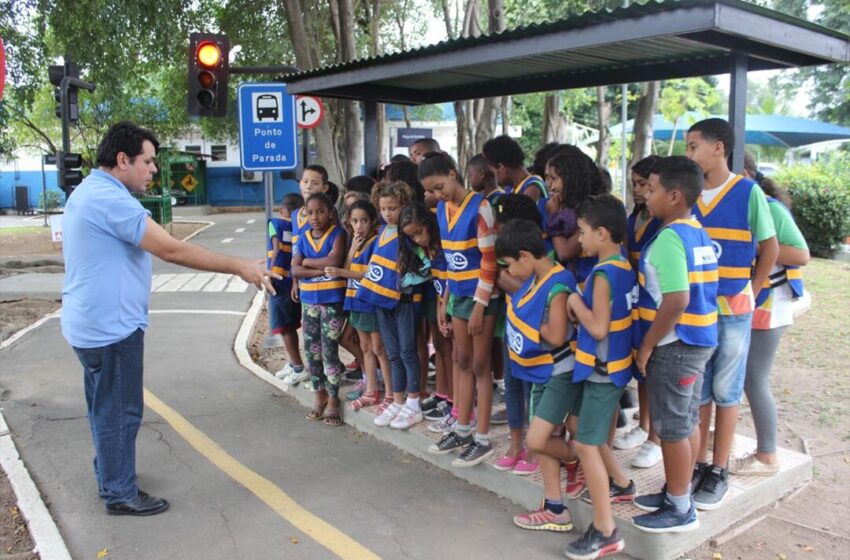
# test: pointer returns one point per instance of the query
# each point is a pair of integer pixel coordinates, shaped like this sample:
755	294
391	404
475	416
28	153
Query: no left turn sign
309	111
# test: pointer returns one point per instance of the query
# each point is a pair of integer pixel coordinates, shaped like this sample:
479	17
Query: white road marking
240	230
251	221
218	283
175	283
196	283
160	279
237	285
227	240
195	312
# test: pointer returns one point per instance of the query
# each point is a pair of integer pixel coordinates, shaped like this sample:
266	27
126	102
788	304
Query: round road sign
309	111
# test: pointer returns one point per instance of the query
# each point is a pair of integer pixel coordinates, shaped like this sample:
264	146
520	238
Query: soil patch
15	541
15	314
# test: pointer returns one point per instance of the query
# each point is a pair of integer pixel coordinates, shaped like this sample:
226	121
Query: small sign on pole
309	111
56	228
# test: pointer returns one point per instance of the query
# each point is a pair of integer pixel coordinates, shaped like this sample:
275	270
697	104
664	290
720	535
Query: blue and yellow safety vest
299	224
359	263
459	238
619	364
698	324
781	274
531	357
382	286
283	263
726	221
637	238
324	288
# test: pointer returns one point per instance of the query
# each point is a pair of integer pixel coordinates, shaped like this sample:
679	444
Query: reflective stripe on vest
359	263
698	324
381	285
726	221
619	365
459	238
324	288
299	224
791	275
637	238
531	356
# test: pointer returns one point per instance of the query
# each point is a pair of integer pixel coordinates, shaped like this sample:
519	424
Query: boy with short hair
284	314
734	212
677	307
538	336
507	160
482	180
603	368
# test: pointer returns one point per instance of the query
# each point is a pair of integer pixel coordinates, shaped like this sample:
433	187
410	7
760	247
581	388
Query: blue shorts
284	314
727	369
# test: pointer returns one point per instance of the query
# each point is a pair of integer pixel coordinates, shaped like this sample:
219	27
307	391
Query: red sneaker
575	479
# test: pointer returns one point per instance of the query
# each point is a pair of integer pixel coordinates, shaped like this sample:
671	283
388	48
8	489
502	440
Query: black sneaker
475	453
438	412
619	494
713	489
700	470
593	544
431	403
142	505
450	442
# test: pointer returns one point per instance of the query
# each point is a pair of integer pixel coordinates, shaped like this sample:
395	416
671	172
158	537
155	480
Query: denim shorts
284	314
727	369
673	383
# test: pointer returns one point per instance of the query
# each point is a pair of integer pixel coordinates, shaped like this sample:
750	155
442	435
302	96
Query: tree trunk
352	132
552	123
604	144
642	130
306	58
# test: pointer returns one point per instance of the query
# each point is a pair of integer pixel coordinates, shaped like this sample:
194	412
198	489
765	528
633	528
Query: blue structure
30	179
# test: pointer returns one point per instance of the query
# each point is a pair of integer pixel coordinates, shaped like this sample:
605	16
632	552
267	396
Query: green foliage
51	201
821	201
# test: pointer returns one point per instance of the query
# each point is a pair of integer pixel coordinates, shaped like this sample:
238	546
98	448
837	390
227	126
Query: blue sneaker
651	502
667	519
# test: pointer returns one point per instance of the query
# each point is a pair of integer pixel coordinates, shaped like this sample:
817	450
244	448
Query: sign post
267	132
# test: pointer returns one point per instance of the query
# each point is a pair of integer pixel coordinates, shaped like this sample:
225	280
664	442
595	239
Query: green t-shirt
787	232
666	271
759	216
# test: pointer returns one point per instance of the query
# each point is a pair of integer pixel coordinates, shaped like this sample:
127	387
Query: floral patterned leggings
322	326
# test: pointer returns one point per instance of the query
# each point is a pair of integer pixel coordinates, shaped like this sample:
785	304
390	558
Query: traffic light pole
69	81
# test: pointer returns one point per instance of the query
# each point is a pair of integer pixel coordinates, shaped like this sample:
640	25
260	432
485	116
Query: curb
194	233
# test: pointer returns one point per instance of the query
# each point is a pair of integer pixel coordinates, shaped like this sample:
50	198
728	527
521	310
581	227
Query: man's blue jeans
113	385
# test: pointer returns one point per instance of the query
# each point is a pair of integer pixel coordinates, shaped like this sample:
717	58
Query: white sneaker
385	418
296	377
406	418
648	456
630	439
284	372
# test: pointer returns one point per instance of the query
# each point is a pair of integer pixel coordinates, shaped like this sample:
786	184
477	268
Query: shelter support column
370	134
738	108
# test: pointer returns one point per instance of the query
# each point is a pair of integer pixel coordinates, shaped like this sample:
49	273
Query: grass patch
24	230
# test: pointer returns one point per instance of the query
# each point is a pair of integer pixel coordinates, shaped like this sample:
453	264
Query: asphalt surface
373	498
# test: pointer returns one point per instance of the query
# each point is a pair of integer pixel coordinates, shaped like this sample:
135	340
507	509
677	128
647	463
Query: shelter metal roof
652	41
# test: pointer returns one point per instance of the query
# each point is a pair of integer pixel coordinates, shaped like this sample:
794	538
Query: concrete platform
746	494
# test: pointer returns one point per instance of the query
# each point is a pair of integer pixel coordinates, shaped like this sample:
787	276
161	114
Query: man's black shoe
143	504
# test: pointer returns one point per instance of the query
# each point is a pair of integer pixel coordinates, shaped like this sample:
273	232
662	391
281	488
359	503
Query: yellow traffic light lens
206	79
209	54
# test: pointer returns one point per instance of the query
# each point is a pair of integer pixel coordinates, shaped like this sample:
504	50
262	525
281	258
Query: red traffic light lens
206	79
209	54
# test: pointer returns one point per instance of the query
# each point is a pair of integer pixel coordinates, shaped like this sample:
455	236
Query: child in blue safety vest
735	214
641	228
284	313
603	366
677	334
321	296
396	308
774	313
466	234
362	220
539	338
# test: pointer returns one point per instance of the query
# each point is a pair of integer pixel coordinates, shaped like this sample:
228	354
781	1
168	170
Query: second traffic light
208	74
69	174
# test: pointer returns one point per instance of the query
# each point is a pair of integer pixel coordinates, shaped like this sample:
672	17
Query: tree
680	96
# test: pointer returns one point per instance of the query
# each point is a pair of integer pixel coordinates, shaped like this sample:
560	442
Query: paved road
306	491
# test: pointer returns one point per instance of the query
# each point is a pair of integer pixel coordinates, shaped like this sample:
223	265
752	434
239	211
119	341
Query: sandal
366	399
333	418
317	413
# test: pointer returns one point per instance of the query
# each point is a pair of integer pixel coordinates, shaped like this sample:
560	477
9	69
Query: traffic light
208	74
68	169
57	74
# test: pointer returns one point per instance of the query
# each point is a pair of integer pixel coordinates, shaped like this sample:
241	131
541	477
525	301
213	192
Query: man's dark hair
292	201
520	235
320	169
681	174
716	130
605	211
543	155
504	150
646	166
399	157
124	137
429	144
360	183
515	206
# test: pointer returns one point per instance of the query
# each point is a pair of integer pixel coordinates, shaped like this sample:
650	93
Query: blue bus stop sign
267	138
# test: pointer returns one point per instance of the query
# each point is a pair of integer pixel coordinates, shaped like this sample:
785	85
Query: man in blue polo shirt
108	241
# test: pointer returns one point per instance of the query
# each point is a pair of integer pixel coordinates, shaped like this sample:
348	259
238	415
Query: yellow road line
319	530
